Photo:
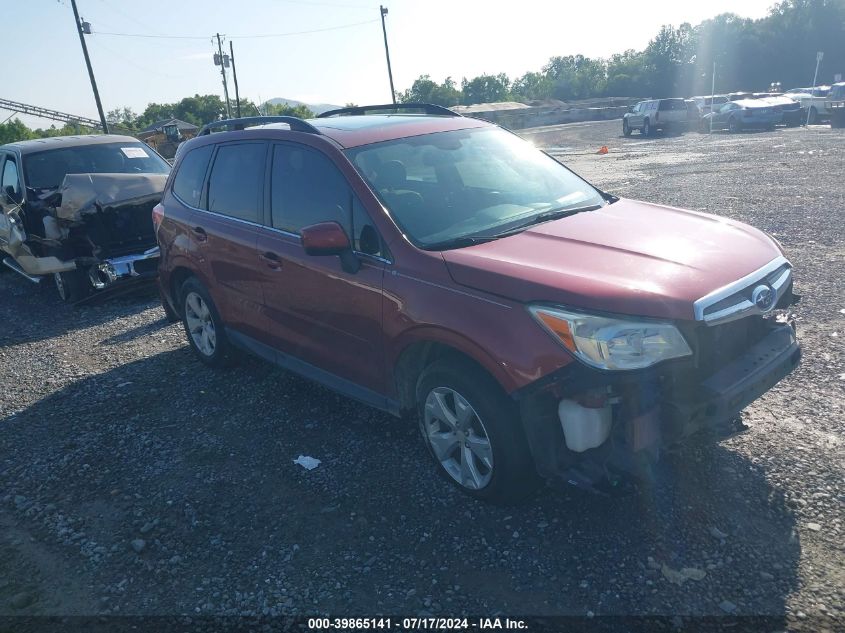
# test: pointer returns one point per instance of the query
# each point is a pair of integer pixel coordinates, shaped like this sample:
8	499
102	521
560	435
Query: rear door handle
272	260
200	233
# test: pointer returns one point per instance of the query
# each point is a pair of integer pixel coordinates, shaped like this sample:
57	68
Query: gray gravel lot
134	480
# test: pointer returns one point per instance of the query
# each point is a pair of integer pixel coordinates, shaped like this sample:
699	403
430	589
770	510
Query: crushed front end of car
97	226
603	429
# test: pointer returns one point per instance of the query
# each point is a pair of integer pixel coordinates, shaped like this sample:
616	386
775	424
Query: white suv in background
650	116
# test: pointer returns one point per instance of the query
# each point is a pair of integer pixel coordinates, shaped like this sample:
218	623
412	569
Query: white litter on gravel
308	463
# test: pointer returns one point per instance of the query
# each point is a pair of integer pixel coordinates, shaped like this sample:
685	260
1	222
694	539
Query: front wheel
626	129
72	285
646	128
734	126
473	432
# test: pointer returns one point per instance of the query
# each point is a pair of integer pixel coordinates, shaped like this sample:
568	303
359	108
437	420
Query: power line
237	37
330	4
328	28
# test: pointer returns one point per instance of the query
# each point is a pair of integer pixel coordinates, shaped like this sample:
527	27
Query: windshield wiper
460	242
548	216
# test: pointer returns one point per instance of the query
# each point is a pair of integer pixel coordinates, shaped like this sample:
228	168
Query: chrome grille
735	300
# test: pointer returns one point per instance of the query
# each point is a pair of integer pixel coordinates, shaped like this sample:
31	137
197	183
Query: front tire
646	131
734	126
473	432
626	129
203	325
71	285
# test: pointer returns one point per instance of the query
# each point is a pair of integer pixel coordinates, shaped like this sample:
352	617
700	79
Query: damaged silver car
78	209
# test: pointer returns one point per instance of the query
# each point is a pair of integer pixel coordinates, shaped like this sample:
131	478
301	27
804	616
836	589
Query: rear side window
672	104
236	180
307	188
187	186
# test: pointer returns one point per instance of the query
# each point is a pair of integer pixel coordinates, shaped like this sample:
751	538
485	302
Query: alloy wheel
60	286
200	324
457	438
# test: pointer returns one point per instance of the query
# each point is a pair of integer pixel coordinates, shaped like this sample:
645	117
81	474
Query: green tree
485	89
284	109
425	90
531	86
14	130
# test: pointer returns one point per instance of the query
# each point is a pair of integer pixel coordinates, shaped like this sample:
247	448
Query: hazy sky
43	64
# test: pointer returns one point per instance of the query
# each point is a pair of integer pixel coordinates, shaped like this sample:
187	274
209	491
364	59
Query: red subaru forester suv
439	267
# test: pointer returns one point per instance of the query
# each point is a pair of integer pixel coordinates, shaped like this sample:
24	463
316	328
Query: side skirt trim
306	370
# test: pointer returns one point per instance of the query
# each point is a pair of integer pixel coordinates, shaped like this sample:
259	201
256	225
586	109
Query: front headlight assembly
612	343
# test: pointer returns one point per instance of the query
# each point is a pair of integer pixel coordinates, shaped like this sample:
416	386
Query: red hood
628	257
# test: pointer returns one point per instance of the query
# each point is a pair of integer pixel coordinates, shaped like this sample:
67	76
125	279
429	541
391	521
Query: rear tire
203	325
473	432
813	117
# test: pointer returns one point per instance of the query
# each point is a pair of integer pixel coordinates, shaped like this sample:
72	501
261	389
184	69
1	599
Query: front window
477	183
47	169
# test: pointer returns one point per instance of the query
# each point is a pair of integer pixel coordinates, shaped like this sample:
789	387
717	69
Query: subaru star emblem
763	297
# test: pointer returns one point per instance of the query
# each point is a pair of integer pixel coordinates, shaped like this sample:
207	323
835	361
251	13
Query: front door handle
272	260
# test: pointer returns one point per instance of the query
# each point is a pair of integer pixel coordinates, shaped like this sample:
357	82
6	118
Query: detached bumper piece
110	271
652	410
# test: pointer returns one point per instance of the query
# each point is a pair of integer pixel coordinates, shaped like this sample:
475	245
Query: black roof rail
229	125
426	108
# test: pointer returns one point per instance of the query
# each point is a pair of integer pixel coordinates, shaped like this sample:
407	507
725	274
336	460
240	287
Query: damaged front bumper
640	413
110	271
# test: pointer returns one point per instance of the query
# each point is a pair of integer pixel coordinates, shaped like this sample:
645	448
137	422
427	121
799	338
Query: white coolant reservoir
583	427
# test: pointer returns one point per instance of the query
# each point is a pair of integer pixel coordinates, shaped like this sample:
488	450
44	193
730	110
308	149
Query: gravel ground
134	480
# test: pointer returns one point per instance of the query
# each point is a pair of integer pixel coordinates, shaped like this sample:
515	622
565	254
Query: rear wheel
626	129
473	432
813	116
203	325
72	285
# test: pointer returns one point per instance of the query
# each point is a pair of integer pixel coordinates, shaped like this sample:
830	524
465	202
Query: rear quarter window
187	185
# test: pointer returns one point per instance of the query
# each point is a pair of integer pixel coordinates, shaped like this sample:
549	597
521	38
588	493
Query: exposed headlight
610	343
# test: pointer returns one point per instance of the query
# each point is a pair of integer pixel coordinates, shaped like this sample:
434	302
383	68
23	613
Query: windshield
465	183
47	170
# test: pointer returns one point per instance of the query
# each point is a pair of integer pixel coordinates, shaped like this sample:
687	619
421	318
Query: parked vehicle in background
77	208
739	96
692	114
439	267
704	104
835	105
813	102
736	116
668	115
792	114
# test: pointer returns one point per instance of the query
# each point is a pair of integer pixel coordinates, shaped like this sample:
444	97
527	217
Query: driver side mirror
329	238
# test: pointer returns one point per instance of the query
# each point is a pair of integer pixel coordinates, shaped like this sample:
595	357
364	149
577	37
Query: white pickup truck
813	102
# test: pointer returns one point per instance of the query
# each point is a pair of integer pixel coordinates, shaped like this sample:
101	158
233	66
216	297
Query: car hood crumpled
628	258
91	193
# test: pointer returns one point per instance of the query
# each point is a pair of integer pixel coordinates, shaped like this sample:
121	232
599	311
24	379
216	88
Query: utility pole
387	53
819	57
235	76
223	72
712	97
79	30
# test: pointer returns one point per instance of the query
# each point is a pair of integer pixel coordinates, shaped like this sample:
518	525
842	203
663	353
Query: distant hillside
316	108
